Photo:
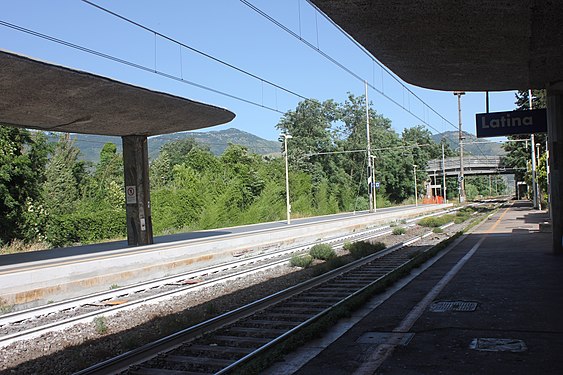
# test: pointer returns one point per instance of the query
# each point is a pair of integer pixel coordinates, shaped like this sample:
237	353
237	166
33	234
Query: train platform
491	304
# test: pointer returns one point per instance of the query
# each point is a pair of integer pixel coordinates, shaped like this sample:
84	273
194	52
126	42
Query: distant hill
217	141
483	147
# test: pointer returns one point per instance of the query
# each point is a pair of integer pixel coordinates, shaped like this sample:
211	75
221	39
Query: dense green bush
322	251
85	227
399	231
302	261
463	214
361	249
436	221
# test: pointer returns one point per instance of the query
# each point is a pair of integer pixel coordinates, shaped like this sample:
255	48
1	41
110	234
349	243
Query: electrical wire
137	66
346	69
146	28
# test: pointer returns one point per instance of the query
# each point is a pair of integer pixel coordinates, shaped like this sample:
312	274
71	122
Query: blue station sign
498	124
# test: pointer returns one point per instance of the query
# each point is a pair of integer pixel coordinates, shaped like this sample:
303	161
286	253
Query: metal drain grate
445	306
485	344
378	338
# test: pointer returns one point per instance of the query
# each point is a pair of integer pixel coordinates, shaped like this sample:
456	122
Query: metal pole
461	177
288	205
537	179
548	179
487	101
369	174
415	188
373	184
444	175
534	179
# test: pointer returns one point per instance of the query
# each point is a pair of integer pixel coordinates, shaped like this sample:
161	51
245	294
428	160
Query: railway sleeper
158	371
239	341
256	332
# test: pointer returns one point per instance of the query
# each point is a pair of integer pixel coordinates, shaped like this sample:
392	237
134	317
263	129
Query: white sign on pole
131	194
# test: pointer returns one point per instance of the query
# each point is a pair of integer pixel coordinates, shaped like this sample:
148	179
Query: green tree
108	178
161	170
178	150
63	177
310	125
241	168
23	156
518	152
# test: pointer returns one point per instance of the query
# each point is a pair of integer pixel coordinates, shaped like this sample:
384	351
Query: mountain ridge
482	147
216	140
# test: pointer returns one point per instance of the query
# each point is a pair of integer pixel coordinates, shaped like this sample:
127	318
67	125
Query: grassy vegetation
464	214
437	221
399	230
302	261
20	246
100	324
322	251
361	249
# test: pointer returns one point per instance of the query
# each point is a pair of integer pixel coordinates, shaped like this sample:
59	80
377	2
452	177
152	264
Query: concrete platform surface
504	271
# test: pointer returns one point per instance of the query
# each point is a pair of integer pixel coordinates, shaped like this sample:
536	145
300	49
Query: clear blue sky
231	31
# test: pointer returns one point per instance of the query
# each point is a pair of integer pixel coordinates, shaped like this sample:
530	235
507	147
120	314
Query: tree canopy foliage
191	188
23	156
518	152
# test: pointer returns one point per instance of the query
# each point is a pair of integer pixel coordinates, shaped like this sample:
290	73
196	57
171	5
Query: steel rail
145	353
181	290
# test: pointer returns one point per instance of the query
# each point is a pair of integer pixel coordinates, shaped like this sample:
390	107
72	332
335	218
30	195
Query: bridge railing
470	163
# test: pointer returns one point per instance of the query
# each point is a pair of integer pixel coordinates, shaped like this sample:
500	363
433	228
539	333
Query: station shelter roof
44	96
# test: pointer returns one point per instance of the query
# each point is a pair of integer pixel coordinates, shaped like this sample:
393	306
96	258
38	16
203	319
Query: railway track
32	323
154	292
231	341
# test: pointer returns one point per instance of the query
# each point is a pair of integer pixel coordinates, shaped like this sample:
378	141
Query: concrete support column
555	144
137	192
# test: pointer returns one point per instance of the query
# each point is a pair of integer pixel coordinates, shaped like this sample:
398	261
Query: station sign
499	124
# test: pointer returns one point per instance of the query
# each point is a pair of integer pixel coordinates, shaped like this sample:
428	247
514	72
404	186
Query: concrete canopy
39	95
473	45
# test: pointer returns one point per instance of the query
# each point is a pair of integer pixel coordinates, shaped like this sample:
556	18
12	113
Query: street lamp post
288	205
461	177
415	188
534	176
371	189
444	175
373	183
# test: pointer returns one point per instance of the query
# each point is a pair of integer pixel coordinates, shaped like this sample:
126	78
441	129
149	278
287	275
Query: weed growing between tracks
301	260
100	324
322	251
397	231
362	249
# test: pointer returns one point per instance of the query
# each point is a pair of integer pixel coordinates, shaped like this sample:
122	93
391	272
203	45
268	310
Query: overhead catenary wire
262	79
164	36
181	79
143	67
346	69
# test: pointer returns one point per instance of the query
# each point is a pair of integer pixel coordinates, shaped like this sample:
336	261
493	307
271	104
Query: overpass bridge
472	165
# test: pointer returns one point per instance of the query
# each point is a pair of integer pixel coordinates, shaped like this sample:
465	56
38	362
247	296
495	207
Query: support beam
137	191
555	142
